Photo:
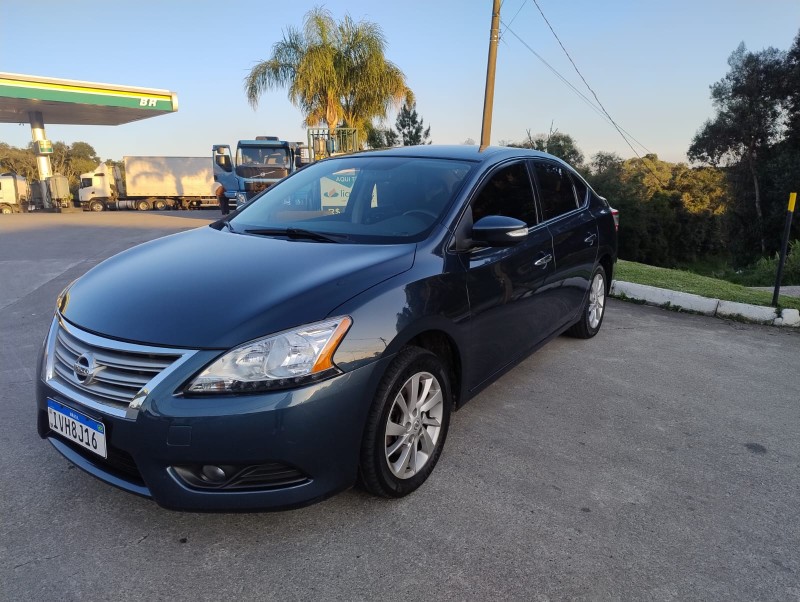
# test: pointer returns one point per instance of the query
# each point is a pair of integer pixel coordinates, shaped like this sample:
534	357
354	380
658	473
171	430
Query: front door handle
590	239
544	260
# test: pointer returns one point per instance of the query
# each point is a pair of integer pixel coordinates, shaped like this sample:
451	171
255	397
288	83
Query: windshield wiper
297	234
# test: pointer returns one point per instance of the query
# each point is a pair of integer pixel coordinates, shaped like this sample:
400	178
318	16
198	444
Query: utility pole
488	98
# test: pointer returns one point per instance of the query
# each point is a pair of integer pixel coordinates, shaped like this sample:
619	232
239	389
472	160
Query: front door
509	312
223	169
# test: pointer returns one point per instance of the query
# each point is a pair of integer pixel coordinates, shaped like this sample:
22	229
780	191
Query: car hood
213	289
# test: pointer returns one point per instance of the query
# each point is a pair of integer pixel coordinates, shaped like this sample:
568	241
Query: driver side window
507	192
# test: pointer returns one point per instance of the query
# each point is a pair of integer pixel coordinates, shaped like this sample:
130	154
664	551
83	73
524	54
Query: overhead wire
555	72
521	6
600	104
569	84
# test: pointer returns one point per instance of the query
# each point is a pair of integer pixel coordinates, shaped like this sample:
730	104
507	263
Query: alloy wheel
414	425
597	300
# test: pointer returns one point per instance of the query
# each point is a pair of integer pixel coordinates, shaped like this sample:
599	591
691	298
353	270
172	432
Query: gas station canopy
40	100
69	102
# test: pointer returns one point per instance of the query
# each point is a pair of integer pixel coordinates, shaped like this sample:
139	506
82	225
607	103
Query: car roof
467	152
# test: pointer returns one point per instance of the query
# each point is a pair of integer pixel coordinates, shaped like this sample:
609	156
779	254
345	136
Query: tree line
754	137
70	160
670	213
730	201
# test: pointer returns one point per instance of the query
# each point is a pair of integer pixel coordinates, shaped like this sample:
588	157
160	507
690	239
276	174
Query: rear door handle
590	239
544	260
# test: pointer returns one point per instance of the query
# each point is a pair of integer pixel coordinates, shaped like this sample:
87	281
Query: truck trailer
14	193
149	183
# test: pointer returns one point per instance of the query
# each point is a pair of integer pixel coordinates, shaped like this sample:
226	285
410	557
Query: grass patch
687	282
760	273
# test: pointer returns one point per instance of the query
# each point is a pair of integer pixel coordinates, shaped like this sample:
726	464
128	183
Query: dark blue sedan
322	334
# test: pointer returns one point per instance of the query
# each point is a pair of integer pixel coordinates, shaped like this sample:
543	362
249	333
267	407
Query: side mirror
499	231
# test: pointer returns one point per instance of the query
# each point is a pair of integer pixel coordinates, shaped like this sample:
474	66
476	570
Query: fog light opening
213	474
263	477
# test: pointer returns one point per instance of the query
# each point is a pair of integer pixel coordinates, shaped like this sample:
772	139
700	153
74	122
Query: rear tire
6	210
142	205
160	205
407	424
594	309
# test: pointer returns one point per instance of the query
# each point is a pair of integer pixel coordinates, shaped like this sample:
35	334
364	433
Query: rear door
563	198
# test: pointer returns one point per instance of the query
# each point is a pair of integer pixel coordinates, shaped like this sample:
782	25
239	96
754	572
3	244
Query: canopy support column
42	161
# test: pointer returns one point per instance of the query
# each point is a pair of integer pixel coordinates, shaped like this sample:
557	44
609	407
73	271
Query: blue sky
650	63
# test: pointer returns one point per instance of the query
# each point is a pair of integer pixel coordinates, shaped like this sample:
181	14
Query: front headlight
282	360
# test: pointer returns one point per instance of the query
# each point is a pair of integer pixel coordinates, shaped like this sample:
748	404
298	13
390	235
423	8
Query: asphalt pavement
657	461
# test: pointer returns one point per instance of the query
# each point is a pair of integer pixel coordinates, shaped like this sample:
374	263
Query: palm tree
336	72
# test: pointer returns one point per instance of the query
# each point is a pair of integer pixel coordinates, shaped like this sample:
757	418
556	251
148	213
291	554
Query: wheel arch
608	265
444	347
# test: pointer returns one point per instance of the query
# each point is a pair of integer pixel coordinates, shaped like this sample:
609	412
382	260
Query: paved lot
792	291
656	461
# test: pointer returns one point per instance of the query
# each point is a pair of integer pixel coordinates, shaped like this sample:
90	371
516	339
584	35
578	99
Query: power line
600	112
600	104
512	18
568	83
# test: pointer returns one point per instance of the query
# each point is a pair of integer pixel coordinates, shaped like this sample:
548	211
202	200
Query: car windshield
260	155
361	199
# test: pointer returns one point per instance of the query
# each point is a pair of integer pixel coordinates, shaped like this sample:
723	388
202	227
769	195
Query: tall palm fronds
335	72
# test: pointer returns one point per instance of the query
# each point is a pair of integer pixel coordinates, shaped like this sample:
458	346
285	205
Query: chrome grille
118	370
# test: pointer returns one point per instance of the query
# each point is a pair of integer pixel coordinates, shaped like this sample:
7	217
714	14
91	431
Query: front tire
594	309
407	425
96	206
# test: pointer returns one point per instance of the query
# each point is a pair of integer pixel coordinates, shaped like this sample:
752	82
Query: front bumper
314	432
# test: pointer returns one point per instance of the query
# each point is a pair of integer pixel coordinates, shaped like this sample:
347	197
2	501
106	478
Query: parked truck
257	165
149	183
14	193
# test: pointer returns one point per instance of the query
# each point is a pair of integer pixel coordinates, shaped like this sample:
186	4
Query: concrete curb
703	305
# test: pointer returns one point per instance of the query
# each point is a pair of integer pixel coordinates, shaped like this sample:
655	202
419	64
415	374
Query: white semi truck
149	183
14	193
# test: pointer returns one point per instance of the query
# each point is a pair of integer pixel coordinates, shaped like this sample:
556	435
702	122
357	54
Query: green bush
763	271
791	271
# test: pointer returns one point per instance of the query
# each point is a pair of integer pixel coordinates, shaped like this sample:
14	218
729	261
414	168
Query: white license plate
84	431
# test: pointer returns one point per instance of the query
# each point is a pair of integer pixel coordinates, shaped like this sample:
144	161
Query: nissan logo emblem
85	369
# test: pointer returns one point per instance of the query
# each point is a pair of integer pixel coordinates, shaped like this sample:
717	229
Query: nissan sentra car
322	334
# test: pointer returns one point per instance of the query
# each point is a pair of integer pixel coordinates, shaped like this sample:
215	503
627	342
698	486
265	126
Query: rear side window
507	192
555	187
580	189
